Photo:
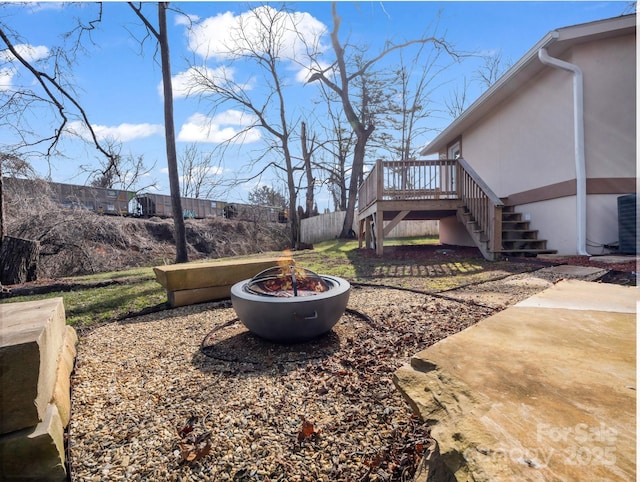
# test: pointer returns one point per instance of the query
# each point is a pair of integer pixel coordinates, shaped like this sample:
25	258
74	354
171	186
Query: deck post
379	232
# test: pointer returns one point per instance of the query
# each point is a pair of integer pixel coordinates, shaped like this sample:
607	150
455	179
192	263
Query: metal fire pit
290	304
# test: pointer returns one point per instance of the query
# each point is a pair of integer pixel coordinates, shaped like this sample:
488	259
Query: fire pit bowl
290	305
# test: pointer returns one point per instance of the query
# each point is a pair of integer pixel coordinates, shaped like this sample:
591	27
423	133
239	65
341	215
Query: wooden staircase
436	189
518	239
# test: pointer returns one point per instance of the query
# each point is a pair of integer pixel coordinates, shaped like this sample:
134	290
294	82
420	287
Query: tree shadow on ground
428	262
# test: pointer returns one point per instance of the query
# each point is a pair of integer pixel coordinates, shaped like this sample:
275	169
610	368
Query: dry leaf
307	431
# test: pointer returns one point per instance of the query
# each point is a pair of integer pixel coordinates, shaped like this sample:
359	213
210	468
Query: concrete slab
588	273
545	390
579	295
614	259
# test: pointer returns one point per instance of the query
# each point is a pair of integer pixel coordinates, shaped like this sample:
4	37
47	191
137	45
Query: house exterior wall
524	149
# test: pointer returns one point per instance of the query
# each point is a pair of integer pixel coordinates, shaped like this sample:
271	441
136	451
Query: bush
76	242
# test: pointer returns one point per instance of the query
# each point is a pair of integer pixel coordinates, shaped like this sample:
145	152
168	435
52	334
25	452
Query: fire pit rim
335	282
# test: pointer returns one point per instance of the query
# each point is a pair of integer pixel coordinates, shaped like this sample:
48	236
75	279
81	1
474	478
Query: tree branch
43	79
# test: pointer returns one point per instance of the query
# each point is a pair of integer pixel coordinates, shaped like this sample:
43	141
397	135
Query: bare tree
361	126
309	146
493	66
127	172
339	140
49	91
12	166
161	37
259	39
416	80
457	101
198	172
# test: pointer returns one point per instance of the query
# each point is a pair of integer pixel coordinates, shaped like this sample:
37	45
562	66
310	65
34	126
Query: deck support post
379	232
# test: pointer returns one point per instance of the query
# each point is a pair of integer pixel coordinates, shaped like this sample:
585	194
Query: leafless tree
125	171
160	34
331	161
457	101
309	146
48	92
347	75
411	106
493	66
258	39
198	172
11	166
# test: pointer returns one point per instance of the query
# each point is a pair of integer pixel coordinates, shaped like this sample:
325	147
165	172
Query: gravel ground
148	403
190	394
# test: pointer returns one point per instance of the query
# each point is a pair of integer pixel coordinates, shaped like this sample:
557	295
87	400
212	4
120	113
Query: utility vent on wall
627	241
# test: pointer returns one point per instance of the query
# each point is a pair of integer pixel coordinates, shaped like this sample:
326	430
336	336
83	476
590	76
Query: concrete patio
544	390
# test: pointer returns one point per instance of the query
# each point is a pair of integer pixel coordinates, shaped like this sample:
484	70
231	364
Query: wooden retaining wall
328	226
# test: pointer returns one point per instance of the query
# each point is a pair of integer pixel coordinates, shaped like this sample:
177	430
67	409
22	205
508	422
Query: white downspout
578	129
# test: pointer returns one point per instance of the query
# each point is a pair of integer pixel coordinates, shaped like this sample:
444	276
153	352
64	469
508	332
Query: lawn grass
136	290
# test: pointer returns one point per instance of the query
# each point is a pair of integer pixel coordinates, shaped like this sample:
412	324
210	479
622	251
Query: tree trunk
19	260
306	157
356	176
170	139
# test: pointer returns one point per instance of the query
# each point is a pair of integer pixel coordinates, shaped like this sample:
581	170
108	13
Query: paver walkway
544	390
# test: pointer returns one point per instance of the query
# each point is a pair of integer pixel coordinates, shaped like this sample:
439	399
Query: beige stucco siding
610	106
560	228
527	141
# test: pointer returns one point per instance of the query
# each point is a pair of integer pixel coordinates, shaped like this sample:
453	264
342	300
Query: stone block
199	282
36	453
62	389
544	390
31	339
204	275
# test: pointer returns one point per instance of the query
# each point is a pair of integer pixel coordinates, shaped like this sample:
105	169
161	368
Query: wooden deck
428	189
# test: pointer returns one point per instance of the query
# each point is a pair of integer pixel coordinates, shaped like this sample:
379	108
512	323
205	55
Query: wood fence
328	226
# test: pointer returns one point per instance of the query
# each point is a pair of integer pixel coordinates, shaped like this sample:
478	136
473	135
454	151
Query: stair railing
482	203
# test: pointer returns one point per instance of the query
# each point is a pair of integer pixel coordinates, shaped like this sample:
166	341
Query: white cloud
184	19
6	76
231	126
29	52
305	72
196	80
226	35
122	133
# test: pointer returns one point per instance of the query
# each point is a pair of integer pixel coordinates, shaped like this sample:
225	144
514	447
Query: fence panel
328	226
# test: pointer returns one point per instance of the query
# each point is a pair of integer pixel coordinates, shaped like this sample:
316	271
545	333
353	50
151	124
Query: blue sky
117	82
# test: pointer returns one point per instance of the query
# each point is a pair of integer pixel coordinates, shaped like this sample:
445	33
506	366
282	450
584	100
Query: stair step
515	234
528	252
511	216
524	246
515	225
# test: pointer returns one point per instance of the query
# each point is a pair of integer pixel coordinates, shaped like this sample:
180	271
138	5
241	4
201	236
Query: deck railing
411	180
435	179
